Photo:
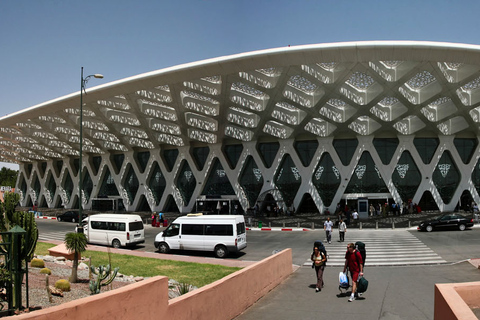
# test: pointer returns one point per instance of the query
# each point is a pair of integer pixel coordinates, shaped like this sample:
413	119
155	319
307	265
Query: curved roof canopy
341	89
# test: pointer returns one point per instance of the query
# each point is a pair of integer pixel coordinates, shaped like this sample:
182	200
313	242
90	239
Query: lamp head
98	76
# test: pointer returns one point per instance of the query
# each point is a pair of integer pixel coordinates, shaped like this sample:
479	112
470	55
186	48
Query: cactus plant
63	285
37	263
47	286
102	273
46	271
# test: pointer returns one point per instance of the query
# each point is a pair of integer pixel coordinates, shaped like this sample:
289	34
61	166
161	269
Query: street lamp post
80	180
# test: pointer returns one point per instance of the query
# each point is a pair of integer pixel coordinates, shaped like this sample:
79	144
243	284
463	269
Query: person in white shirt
355	215
342	228
327	226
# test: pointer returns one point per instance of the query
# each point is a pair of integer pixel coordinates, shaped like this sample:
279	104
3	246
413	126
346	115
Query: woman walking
319	259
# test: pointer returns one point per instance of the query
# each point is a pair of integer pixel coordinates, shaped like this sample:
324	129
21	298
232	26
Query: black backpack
360	247
319	244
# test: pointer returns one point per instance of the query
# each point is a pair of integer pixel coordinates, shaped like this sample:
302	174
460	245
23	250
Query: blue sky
44	43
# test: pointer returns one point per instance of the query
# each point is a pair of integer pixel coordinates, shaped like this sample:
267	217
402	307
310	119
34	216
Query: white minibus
221	234
116	230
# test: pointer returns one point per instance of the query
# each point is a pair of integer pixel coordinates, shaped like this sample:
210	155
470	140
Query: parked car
71	216
446	221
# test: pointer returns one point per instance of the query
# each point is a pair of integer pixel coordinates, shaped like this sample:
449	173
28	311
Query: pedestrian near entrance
319	259
342	228
353	260
355	215
327	226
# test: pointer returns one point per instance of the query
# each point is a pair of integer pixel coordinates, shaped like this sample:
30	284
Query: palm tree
77	243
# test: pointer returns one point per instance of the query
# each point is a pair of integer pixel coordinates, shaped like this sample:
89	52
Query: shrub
63	285
46	271
37	263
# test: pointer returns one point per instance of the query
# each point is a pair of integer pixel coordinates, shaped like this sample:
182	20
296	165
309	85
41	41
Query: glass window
233	153
200	156
426	148
109	187
288	179
157	183
465	148
326	179
170	156
240	228
446	177
96	161
192	229
118	161
268	152
135	226
142	159
306	150
251	180
219	230
345	149
217	182
172	230
386	148
131	184
186	182
406	177
366	178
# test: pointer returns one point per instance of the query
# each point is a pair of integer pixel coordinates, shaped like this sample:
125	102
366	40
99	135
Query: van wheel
116	243
163	248
429	228
461	227
221	251
59	219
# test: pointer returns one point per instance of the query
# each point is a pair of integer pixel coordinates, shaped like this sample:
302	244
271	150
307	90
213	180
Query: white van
218	233
114	229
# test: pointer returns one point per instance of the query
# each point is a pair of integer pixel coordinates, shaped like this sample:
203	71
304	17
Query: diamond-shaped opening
306	150
392	70
439	109
361	88
288	114
466	200
28	169
202	136
288	179
469	94
186	182
157	183
217	182
427	202
51	188
465	148
326	72
87	185
426	148
108	187
455	72
409	125
23	184
268	152
36	184
118	102
364	125
169	158
406	177
74	165
453	125
200	155
201	104
345	149
201	122
158	94
67	187
266	78
386	148
238	133
366	177
131	183
326	178
251	181
95	163
476	176
232	154
143	204
142	158
307	204
210	85
42	167
277	129
446	177
171	205
242	117
388	109
117	161
320	127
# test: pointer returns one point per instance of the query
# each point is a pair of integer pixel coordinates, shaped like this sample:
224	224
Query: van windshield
137	225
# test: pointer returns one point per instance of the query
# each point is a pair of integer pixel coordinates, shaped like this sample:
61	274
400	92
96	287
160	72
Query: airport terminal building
304	128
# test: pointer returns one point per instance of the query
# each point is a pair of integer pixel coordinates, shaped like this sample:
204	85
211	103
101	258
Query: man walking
342	228
327	226
353	260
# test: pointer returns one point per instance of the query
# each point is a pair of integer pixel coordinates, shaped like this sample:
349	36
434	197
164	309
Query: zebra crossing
384	248
47	236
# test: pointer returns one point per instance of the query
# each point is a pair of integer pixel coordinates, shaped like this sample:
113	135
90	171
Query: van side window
134	226
219	230
192	229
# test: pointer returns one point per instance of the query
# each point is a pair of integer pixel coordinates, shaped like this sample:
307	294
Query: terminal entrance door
362	205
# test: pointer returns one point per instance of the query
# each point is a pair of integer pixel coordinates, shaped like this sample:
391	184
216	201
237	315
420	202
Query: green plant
77	243
181	288
47	286
37	263
102	273
46	271
63	285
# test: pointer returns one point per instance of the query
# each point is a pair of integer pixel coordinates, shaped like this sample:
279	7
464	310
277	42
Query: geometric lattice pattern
401	90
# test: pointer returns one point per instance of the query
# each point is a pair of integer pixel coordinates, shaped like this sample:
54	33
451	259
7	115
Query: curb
52	218
277	229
